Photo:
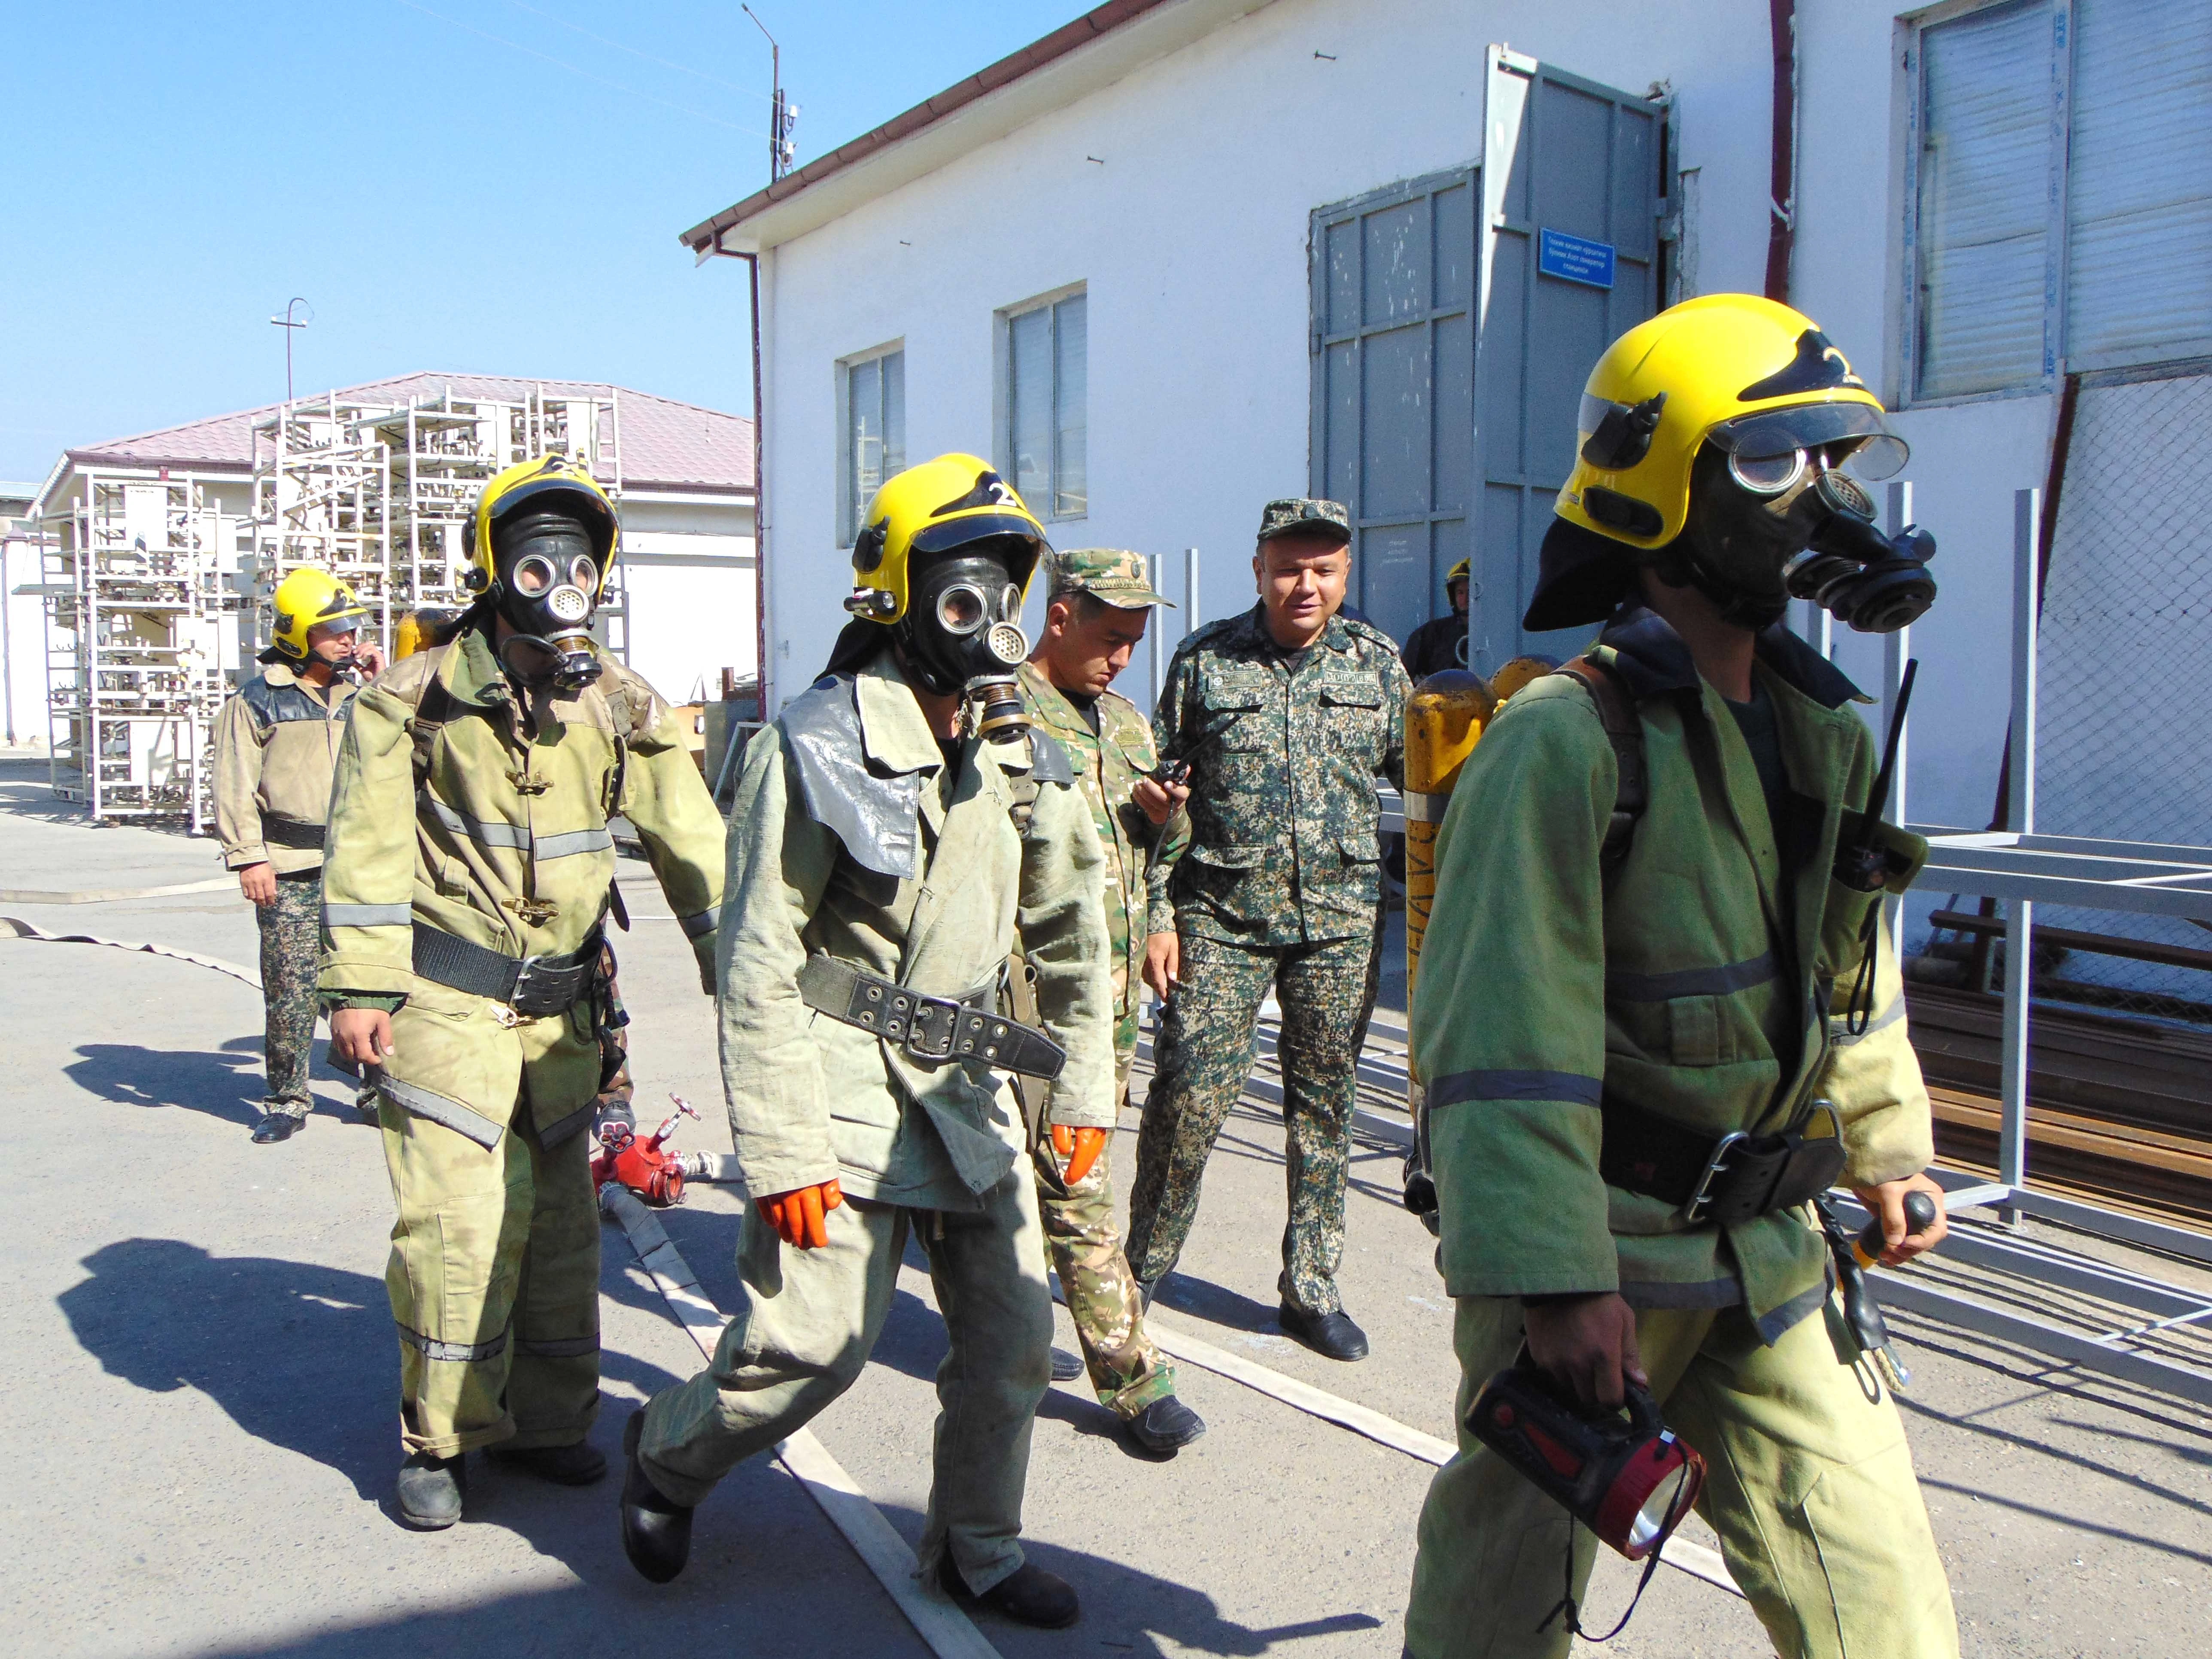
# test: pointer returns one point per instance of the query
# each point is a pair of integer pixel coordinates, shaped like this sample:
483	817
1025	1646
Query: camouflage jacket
1283	846
1107	763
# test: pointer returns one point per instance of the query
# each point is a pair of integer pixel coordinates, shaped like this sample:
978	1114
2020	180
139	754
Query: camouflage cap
1118	577
1303	515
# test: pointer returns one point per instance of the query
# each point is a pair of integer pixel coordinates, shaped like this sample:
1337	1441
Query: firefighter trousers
495	1283
810	1320
1809	1485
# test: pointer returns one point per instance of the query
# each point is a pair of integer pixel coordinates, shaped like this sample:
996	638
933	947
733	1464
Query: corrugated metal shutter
1984	223
2139	189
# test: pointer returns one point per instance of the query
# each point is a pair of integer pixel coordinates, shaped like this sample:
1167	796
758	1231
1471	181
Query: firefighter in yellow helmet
891	831
1652	1049
276	741
465	911
1440	643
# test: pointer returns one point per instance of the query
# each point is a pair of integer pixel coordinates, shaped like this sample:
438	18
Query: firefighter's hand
369	659
1588	1343
1887	1201
1163	964
258	881
799	1215
361	1036
1077	1150
1159	802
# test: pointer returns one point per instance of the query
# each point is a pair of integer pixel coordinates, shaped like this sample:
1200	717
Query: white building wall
1190	231
688	568
23	708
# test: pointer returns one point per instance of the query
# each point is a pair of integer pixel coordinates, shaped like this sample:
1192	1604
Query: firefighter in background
463	956
1440	643
276	743
891	831
1643	942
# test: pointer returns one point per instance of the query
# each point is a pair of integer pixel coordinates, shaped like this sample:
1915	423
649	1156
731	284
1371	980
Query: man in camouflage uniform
1101	603
1288	714
276	741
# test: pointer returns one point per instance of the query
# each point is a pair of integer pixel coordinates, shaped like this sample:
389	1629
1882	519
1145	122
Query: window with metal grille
2061	218
1044	396
872	392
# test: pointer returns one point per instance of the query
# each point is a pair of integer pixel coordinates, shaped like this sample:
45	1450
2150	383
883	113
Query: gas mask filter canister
548	590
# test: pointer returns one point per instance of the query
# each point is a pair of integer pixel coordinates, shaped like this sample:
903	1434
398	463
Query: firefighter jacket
1107	764
1705	982
494	829
276	741
848	838
1285	755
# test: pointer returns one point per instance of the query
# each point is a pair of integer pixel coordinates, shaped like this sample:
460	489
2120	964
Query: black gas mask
1764	530
546	589
961	632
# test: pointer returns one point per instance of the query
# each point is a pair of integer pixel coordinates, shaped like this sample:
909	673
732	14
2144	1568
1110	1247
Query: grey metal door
1393	409
1572	188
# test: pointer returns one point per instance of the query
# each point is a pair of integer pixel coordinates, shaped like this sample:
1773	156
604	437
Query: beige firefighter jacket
506	845
276	743
845	838
1683	987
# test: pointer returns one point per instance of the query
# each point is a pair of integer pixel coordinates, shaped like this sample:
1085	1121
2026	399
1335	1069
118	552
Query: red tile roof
666	445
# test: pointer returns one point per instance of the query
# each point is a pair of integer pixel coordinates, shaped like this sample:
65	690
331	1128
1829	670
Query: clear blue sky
172	173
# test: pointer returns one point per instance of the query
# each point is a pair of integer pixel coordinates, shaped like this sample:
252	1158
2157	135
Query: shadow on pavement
1216	1303
1125	1611
226	1084
300	1356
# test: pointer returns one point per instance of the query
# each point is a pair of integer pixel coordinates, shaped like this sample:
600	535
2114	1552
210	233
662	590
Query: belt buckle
1716	1166
524	993
921	1027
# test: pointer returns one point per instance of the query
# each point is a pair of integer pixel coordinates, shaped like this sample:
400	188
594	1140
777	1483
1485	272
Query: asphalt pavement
195	1340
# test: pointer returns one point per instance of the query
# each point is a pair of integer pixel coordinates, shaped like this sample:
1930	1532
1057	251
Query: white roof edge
1112	56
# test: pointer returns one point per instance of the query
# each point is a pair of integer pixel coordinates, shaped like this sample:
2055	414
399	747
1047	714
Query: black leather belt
530	984
929	1028
293	832
1733	1179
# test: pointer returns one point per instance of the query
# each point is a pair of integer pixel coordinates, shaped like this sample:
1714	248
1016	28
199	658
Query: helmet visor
1773	432
940	538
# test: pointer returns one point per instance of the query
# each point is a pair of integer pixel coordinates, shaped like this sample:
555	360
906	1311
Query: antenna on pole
783	117
286	322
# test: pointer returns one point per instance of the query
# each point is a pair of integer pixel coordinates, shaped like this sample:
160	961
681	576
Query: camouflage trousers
1327	991
291	941
1083	1246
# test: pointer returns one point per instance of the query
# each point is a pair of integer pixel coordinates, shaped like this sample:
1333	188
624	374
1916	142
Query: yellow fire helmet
544	480
1463	571
305	597
420	628
934	507
1751	376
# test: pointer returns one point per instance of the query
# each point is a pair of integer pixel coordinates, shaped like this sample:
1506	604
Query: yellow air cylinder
1445	718
1518	673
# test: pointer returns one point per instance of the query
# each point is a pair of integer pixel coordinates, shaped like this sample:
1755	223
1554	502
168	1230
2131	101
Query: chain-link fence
2124	710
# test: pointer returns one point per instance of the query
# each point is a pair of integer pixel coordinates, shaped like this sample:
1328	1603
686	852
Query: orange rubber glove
798	1216
1078	1149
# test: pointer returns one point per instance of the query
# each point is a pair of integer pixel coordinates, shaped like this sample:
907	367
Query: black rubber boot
1031	1595
1065	1366
1165	1425
430	1490
278	1126
1332	1335
656	1533
564	1466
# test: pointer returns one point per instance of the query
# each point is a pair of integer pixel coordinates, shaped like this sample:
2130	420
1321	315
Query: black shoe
1165	1425
1065	1366
431	1490
1332	1335
1031	1595
281	1125
564	1466
656	1533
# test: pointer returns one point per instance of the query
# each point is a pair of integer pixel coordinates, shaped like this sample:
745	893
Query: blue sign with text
1574	259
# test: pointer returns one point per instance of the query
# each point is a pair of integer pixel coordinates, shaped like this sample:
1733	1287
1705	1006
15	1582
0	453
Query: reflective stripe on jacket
1676	987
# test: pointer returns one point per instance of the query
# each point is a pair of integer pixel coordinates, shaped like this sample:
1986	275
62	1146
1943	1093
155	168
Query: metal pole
1155	662
1190	590
2019	920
